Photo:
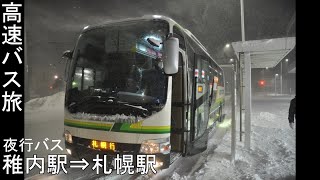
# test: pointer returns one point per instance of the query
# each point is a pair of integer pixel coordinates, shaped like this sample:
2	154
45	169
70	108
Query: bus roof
148	17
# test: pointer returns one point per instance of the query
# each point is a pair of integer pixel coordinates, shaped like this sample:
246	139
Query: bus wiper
114	106
92	99
137	107
127	108
144	112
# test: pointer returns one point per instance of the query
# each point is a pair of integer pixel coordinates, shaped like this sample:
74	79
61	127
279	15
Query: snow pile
47	103
272	153
118	118
55	103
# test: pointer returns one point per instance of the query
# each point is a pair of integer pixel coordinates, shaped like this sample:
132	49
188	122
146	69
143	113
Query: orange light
262	83
166	148
103	145
112	146
95	144
200	89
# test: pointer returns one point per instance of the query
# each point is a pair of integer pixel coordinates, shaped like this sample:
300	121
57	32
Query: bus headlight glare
156	146
158	164
68	136
149	148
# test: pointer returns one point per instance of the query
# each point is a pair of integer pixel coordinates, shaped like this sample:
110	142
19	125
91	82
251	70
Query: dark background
53	26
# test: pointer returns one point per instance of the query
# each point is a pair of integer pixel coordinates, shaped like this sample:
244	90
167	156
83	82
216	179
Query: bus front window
116	69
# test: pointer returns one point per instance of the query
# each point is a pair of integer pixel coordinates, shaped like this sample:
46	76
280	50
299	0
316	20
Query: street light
227	45
56	76
287	60
267	68
231	60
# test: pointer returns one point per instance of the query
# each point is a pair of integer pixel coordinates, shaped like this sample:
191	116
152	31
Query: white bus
141	86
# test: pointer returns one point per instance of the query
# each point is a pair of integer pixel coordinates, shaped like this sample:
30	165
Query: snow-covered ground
272	153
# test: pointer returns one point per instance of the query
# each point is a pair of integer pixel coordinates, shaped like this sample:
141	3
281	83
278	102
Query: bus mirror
66	70
67	54
171	55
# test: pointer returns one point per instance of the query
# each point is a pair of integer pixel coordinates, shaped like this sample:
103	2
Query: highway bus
141	86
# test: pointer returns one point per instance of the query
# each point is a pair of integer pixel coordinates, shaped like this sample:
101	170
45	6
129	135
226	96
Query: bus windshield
116	70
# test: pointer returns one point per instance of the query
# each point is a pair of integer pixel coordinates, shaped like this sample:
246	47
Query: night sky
53	26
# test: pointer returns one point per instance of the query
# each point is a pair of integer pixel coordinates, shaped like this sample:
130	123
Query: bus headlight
68	136
149	148
156	146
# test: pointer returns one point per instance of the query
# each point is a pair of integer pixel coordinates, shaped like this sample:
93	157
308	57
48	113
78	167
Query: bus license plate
103	145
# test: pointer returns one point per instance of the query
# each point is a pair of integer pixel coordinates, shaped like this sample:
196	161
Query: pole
240	99
275	84
247	67
235	81
242	21
241	84
233	120
248	106
281	78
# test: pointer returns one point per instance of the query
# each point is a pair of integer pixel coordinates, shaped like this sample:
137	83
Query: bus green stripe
125	127
149	131
88	125
118	127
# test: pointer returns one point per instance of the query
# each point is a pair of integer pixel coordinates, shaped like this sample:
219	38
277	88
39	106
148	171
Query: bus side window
77	80
88	78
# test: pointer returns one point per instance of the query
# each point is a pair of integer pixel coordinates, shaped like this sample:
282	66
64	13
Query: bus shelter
266	53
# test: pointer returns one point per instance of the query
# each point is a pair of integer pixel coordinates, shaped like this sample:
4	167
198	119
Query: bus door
178	107
200	105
